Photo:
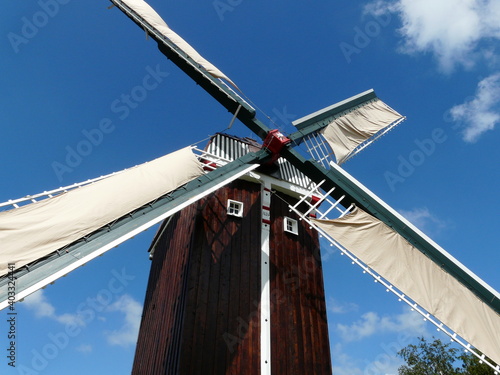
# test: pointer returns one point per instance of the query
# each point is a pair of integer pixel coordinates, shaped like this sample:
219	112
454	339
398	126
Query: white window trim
294	225
231	208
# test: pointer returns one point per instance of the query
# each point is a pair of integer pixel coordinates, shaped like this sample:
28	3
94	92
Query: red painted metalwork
274	142
314	200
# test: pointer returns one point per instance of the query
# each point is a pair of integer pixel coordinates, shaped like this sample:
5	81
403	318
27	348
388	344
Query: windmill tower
233	213
236	280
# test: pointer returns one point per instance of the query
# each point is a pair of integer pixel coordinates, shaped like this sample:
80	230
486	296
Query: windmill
333	180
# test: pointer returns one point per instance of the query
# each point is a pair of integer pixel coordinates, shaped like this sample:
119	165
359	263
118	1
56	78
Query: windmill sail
347	127
165	185
352	130
31	232
150	16
355	123
424	281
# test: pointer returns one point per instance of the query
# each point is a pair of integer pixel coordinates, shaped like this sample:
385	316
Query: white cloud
423	219
371	323
449	29
399	330
482	112
127	334
456	33
366	327
343	364
42	308
39	304
386	362
84	348
337	307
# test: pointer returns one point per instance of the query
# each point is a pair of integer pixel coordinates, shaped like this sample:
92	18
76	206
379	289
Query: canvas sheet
352	128
38	229
408	269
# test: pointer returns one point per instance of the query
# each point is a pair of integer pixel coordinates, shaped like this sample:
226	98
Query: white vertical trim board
265	297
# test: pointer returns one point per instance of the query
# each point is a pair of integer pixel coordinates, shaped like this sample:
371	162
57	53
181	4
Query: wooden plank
301	313
163	304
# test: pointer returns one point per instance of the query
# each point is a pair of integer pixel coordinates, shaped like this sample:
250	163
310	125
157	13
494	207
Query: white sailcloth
145	11
31	232
408	269
355	128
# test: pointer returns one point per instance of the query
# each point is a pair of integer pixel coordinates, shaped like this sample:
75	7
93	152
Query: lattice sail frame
319	149
333	209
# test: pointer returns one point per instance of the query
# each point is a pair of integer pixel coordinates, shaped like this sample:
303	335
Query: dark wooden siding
201	312
157	350
201	308
299	334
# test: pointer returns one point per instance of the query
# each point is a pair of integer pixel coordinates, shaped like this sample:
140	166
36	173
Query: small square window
291	225
234	208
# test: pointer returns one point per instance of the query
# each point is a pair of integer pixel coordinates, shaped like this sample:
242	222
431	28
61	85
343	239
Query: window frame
290	225
235	208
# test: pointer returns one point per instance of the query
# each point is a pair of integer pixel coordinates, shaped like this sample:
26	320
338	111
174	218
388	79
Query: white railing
210	160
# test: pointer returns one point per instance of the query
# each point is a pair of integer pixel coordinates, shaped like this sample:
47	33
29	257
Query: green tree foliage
437	358
473	366
426	358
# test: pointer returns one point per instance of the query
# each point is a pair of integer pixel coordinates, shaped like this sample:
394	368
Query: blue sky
66	66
